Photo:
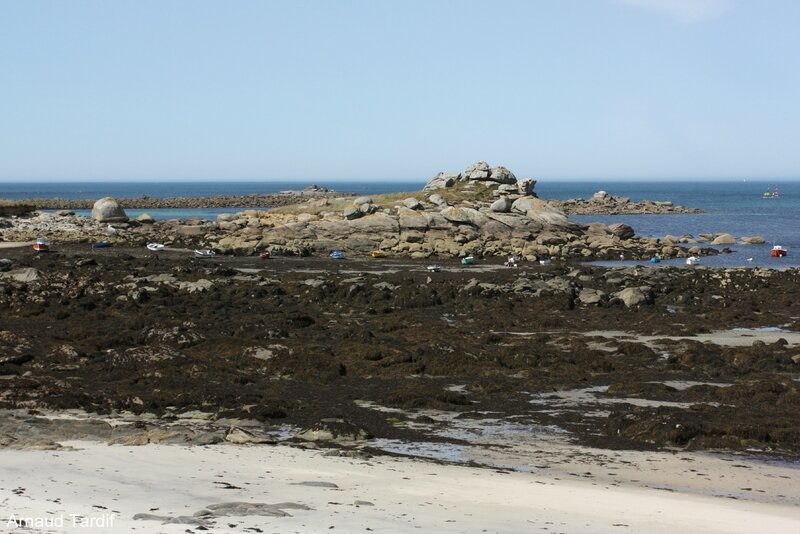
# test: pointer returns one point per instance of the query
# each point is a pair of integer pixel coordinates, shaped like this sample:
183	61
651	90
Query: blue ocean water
738	208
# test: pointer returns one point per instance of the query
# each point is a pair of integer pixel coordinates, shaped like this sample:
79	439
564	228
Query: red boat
778	251
41	245
264	255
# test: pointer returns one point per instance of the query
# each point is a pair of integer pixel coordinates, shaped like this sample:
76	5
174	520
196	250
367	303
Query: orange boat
41	245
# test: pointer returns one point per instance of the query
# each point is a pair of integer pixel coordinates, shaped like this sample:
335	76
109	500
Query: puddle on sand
681	385
447	452
573	398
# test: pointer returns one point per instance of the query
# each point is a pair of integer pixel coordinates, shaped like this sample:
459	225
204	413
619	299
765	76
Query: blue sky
380	90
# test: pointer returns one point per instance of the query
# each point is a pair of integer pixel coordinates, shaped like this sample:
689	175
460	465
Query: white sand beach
97	483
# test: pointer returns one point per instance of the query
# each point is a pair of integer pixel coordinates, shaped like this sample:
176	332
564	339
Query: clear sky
380	89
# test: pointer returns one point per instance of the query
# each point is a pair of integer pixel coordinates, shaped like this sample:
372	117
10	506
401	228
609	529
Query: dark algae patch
306	340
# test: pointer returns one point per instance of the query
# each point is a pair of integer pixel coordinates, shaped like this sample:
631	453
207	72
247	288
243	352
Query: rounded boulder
108	210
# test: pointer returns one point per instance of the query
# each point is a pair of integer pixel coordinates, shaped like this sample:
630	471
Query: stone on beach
108	210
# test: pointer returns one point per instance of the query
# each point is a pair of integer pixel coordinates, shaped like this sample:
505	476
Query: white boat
155	247
692	260
545	262
434	268
206	253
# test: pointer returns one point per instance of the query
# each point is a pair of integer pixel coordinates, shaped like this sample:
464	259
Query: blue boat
337	254
101	244
655	259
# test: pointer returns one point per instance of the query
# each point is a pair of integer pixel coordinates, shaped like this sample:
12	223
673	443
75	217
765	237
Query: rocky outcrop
481	172
108	210
603	203
12	207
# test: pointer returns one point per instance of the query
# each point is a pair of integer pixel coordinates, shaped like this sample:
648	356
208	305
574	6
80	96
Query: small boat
655	259
511	262
434	268
41	245
377	254
206	253
545	262
772	194
692	260
778	251
102	244
337	254
469	260
265	255
155	247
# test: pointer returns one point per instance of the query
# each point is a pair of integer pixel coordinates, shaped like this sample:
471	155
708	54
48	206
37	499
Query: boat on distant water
655	259
155	247
434	268
102	244
41	245
206	253
778	251
469	260
692	260
337	254
774	193
264	255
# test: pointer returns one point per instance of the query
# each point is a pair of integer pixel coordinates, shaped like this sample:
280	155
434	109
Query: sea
735	207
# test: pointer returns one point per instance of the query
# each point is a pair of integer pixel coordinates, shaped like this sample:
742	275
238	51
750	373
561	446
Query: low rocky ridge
299	342
483	211
284	198
603	203
15	207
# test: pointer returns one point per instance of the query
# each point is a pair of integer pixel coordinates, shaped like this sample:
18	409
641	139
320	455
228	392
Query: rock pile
480	172
603	203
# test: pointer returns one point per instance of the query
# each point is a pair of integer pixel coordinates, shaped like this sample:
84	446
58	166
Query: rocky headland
482	212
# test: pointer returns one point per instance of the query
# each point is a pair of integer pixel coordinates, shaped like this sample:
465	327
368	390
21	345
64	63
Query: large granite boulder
724	239
442	180
502	175
108	210
631	296
501	205
622	230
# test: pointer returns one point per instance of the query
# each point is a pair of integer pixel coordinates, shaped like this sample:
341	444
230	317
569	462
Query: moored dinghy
778	251
102	244
337	254
155	247
41	245
692	260
205	253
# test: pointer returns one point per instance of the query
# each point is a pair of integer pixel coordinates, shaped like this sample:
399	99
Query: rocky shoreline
283	198
481	212
345	354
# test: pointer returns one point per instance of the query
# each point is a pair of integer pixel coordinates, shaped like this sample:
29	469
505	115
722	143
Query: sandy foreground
100	488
